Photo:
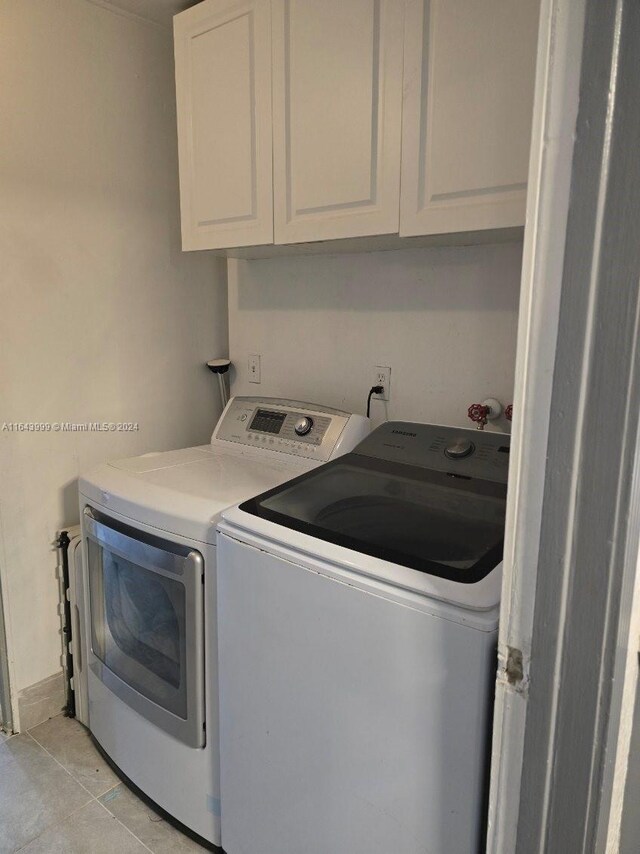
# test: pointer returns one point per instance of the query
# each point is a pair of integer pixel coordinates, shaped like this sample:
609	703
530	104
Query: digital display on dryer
266	421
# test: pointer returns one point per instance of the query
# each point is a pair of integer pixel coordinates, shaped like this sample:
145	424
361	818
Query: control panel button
460	449
303	425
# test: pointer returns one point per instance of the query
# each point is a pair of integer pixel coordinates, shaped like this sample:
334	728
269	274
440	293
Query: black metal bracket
62	543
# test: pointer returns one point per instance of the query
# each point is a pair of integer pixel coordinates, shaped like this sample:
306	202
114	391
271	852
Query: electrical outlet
254	368
382	376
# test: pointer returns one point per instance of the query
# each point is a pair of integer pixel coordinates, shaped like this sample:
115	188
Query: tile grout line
55	759
68	815
91	797
66	770
128	829
50	826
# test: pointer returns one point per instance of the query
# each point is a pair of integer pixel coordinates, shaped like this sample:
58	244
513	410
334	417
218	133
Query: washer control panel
458	451
291	427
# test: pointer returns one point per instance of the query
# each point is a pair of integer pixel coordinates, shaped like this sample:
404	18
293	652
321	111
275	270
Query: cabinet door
223	86
469	80
337	102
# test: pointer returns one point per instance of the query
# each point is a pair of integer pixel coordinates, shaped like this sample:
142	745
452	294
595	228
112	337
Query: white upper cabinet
313	120
468	81
337	107
223	85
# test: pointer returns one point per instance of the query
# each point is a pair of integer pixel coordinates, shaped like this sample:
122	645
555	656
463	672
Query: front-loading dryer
149	532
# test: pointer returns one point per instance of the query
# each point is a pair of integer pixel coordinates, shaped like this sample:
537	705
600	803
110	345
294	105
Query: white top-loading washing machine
149	528
358	612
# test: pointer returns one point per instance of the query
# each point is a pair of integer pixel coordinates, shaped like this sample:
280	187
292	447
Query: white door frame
573	517
554	117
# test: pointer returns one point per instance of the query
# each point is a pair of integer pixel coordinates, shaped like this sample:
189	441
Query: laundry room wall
444	319
102	317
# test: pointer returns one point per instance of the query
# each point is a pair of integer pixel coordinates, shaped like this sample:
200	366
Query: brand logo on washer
405	433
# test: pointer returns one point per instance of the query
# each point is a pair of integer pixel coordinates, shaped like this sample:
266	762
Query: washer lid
437	522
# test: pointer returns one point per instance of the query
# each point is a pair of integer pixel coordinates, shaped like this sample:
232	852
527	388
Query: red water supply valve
508	413
479	413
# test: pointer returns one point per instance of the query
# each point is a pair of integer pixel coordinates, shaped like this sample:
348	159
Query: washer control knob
460	449
303	425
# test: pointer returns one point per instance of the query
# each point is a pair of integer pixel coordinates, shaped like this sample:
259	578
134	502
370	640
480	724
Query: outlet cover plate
382	376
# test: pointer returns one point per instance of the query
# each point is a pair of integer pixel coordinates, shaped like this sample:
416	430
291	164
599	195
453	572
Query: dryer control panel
290	426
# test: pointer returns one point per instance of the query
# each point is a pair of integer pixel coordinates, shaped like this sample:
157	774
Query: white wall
101	315
443	319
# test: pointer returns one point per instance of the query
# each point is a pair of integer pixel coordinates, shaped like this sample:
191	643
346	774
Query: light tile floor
57	794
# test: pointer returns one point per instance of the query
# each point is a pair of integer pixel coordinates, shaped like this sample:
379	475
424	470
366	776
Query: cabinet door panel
337	115
223	80
469	79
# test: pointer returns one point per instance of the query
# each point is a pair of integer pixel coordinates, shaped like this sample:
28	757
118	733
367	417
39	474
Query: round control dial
460	449
303	425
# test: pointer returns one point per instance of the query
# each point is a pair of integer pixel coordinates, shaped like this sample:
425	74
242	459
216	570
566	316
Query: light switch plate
254	368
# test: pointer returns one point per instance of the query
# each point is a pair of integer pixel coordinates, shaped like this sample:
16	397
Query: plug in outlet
254	368
382	376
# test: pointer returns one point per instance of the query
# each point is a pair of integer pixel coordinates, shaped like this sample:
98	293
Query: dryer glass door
146	624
